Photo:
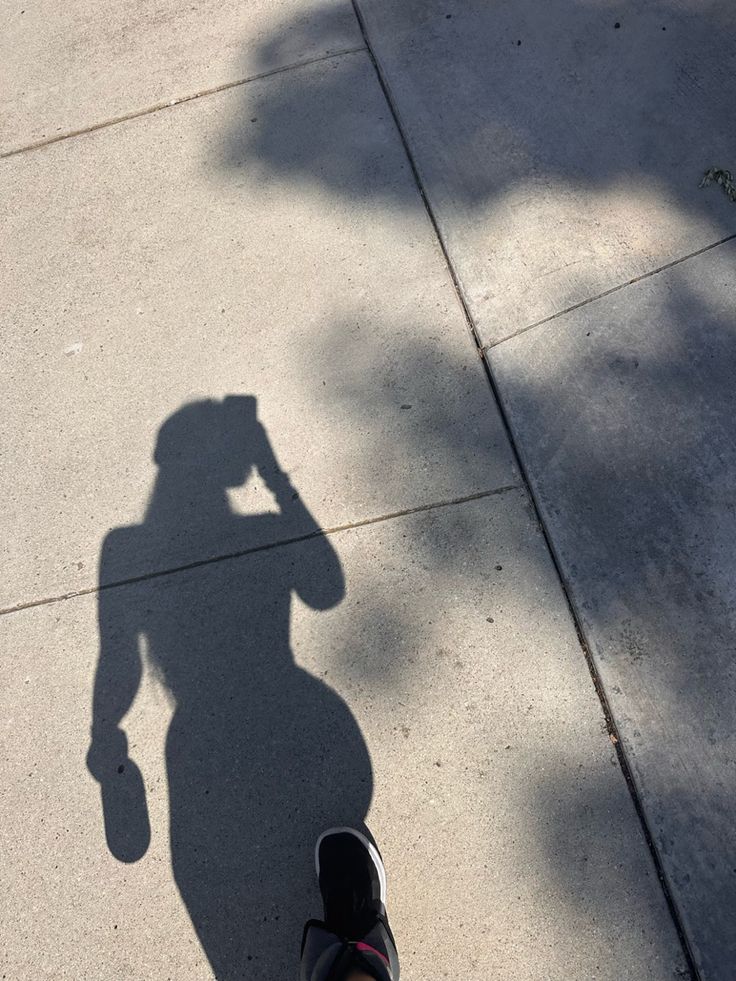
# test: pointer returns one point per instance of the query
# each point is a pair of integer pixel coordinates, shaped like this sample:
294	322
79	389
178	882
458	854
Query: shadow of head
219	442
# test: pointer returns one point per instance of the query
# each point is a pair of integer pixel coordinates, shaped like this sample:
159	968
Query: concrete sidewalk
269	240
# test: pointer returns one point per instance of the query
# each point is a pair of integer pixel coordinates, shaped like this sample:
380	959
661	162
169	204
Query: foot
352	881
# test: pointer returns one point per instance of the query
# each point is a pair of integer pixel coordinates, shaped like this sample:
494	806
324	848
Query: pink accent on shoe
367	949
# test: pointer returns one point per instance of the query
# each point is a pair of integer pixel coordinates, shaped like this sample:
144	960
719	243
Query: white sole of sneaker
370	848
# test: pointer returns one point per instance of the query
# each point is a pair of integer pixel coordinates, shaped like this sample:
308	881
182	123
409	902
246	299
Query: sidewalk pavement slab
169	266
624	411
65	67
561	144
477	748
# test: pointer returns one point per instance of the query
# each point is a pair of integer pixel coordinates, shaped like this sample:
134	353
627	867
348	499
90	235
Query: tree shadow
575	98
561	156
261	756
597	133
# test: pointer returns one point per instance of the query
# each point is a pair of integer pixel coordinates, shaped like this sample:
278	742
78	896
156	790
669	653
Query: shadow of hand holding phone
261	756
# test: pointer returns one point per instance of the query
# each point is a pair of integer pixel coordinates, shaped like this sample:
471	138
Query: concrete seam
173	103
608	292
267	546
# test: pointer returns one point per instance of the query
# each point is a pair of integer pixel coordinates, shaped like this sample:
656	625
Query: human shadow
260	755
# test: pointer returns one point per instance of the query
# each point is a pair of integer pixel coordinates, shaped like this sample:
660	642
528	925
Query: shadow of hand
127	827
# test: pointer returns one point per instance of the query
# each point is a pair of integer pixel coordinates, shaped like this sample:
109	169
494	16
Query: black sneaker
352	881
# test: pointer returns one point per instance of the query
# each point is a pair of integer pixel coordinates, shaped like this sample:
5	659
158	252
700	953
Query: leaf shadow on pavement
586	103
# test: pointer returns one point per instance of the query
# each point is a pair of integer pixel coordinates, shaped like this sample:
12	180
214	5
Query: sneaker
352	881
